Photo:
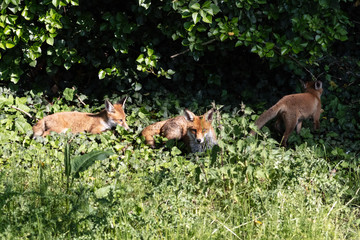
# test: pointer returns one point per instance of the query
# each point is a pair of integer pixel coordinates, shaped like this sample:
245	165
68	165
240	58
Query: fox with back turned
293	109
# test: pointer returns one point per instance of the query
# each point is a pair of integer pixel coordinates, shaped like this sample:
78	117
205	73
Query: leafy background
239	56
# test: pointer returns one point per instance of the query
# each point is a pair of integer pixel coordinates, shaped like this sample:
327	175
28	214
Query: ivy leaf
102	74
50	41
69	94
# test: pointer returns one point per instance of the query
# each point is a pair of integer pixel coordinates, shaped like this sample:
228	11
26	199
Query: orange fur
293	109
196	131
77	122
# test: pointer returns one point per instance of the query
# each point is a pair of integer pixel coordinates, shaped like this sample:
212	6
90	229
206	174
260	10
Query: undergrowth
244	188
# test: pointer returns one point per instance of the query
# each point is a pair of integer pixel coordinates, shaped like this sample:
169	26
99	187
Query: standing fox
60	122
293	109
196	131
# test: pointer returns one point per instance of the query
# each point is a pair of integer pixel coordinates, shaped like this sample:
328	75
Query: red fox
77	122
196	131
293	109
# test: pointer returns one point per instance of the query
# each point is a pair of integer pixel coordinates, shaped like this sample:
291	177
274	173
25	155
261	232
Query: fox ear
209	115
318	85
109	107
122	102
189	115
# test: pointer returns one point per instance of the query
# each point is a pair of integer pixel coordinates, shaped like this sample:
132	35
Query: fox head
116	114
313	85
199	127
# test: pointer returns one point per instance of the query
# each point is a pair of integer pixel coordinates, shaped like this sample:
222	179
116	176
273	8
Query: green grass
246	188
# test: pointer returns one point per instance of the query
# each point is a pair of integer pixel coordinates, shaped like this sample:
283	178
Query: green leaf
50	41
196	18
175	151
284	50
15	2
215	9
56	3
83	162
140	58
205	17
195	6
223	37
69	94
103	192
269	45
67	65
102	74
188	26
138	86
14	77
22	126
150	52
9	44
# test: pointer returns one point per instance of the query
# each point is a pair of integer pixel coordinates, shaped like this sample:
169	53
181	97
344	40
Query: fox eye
120	120
193	130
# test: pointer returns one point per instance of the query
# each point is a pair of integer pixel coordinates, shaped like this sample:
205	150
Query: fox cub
77	122
292	109
196	131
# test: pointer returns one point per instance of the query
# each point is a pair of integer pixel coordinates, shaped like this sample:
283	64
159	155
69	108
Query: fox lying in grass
77	122
196	131
293	109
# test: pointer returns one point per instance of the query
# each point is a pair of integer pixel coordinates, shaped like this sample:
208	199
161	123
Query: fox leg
298	127
150	141
278	125
290	124
316	121
175	134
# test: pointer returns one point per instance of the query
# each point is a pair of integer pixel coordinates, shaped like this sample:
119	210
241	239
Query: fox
292	109
77	122
195	131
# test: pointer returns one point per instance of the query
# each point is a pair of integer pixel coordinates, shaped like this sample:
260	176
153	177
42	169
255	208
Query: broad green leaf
140	58
215	9
138	86
195	6
196	18
175	151
269	45
69	94
103	192
83	162
14	77
56	3
22	126
67	65
284	50
102	74
206	17
150	52
15	2
50	41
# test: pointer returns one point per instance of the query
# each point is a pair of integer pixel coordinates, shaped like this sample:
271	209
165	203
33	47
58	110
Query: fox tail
266	116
